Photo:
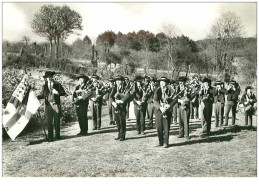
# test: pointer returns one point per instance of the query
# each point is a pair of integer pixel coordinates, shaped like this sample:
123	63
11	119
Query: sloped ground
228	152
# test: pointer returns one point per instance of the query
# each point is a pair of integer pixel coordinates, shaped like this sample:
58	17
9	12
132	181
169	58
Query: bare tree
56	23
225	31
170	31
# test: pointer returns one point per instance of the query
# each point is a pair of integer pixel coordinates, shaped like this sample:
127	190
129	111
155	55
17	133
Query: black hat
218	83
172	81
83	76
206	80
121	78
164	79
182	79
249	87
148	78
111	79
49	74
233	82
138	78
95	77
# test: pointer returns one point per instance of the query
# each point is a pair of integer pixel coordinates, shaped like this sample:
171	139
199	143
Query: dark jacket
44	94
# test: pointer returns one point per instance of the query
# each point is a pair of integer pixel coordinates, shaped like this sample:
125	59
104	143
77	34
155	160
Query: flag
20	108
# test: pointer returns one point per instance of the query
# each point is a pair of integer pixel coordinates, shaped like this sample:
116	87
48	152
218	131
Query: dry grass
228	152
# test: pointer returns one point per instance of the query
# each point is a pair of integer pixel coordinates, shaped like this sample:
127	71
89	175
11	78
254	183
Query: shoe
165	146
203	136
179	136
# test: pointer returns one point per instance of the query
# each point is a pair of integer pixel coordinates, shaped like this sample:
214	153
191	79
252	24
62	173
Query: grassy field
228	152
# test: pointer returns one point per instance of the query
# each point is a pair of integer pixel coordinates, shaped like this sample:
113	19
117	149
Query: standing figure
96	103
184	110
51	92
206	98
249	99
120	99
150	101
163	103
232	97
140	97
81	101
109	103
219	103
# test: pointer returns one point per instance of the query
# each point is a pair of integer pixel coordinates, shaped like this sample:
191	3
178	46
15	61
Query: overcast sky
192	19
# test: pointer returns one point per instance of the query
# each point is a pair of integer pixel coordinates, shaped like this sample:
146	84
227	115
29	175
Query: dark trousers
194	108
184	117
233	107
249	117
150	113
175	110
219	113
127	107
206	113
111	110
50	116
120	118
96	114
81	112
140	114
163	127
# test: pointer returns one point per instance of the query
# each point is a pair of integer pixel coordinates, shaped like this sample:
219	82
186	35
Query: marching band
169	100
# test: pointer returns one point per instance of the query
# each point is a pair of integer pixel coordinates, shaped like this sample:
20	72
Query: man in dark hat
120	98
232	92
219	103
110	107
51	92
140	97
163	103
249	99
206	98
96	103
81	101
150	108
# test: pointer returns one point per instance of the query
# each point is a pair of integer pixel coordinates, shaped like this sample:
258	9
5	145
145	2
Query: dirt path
228	152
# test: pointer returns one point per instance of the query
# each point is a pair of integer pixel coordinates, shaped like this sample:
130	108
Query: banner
19	110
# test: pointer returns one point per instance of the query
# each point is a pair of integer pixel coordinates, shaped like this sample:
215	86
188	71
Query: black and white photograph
129	89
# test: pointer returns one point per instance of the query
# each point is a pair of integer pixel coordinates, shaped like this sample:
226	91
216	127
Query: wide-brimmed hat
248	87
182	79
119	78
49	74
206	80
95	77
164	79
218	83
83	76
138	78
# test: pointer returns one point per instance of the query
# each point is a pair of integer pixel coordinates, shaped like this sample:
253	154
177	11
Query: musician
127	83
163	103
194	103
232	92
96	103
219	103
249	99
150	108
51	92
109	103
81	101
120	98
140	103
184	109
206	102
